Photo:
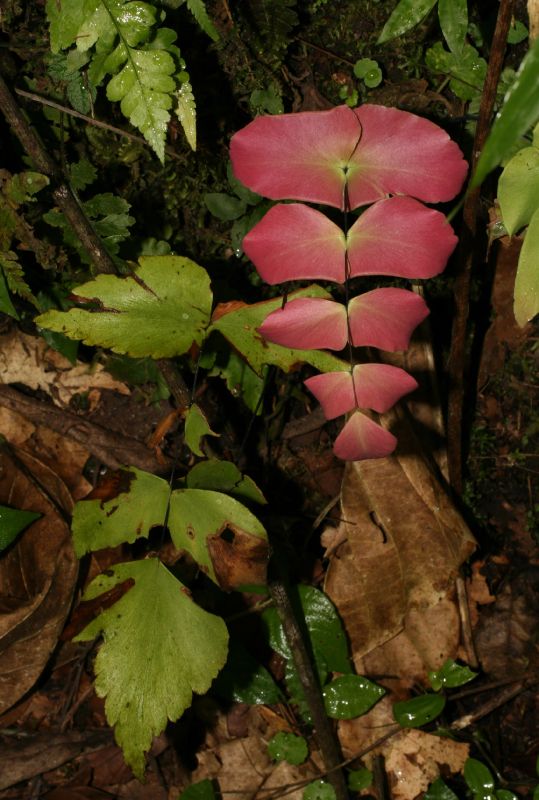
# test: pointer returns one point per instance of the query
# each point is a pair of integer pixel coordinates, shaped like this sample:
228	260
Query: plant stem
324	731
467	253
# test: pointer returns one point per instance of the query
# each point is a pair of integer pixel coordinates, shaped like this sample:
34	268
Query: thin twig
467	252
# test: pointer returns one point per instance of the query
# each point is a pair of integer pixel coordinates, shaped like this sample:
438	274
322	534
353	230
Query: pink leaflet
400	237
375	150
293	242
307	323
385	318
375	386
297	156
362	438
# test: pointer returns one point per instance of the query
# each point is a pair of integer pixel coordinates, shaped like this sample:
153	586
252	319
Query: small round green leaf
363	66
12	522
350	696
319	790
418	711
288	747
359	779
478	777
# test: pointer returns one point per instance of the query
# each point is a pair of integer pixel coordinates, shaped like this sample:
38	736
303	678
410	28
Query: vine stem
324	731
467	252
74	213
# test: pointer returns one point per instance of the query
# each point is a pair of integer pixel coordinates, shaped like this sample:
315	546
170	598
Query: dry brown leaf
395	574
30	361
37	574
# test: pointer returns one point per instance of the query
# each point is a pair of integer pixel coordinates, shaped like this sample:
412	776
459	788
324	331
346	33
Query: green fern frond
198	10
186	111
14	275
274	22
145	66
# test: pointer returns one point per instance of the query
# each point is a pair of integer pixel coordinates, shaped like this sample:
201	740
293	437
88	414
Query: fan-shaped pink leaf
400	237
375	386
375	150
294	242
385	318
362	438
297	156
307	324
401	153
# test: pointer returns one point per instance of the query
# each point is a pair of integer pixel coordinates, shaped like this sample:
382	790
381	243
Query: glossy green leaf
453	16
288	747
325	629
196	427
319	790
223	476
405	16
224	206
527	278
505	794
519	112
350	696
139	503
359	779
203	790
159	312
244	680
12	522
518	189
158	648
450	675
239	324
418	711
478	777
439	791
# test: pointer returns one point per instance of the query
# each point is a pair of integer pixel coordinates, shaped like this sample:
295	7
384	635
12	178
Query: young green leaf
518	189
203	790
451	675
453	16
350	696
196	427
405	16
288	747
319	790
224	476
159	648
12	522
160	311
439	791
520	111
418	711
478	777
359	779
527	278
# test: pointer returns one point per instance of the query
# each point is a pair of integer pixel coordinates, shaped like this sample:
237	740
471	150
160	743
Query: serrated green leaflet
405	16
158	648
12	522
520	111
198	10
351	696
239	326
453	16
186	112
440	791
196	427
159	312
418	711
139	503
288	747
227	541
518	189
223	476
527	279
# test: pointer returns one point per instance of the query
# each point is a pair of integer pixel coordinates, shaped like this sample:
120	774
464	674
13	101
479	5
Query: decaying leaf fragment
393	577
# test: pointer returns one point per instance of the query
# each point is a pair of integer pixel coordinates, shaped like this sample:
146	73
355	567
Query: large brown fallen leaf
29	360
37	573
393	577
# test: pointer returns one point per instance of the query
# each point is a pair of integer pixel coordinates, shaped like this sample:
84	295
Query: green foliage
196	427
6	306
439	791
319	790
203	790
224	206
405	16
274	22
518	189
267	101
478	778
453	16
13	522
244	680
198	10
466	69
450	675
158	648
69	71
368	70
224	476
418	711
138	372
159	311
145	70
351	696
527	279
359	779
288	747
